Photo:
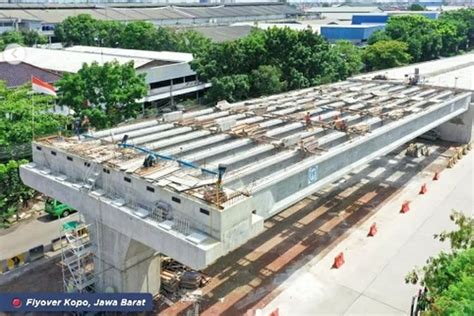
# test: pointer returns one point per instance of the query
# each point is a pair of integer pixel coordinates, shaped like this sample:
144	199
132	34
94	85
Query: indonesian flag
40	86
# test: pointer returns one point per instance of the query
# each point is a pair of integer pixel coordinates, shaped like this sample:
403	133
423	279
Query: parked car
57	209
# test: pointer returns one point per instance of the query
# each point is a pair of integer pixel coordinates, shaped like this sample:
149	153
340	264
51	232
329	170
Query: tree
419	33
80	29
464	18
16	121
378	36
449	277
416	7
352	56
385	54
191	41
13	193
231	88
303	58
113	88
13	37
143	35
32	38
266	80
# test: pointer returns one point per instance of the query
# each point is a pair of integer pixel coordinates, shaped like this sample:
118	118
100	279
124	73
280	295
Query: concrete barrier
16	261
58	243
36	253
3	266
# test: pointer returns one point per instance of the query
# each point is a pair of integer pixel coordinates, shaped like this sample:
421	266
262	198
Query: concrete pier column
123	264
459	129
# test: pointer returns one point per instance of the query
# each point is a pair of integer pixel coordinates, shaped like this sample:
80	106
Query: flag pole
33	114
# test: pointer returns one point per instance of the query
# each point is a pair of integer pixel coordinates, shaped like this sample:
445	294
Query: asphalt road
371	281
31	233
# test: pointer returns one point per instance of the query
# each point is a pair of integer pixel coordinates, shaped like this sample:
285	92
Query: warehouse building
44	17
357	34
167	74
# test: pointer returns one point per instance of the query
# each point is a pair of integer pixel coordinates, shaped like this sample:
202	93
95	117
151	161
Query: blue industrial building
363	18
357	34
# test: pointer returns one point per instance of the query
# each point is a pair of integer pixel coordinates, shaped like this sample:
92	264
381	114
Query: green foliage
23	37
16	116
429	39
13	193
266	80
83	29
378	36
111	88
299	59
385	54
419	33
352	56
231	88
416	7
31	38
464	20
449	277
12	37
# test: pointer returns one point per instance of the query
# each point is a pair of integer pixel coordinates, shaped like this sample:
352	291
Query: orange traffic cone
423	189
275	313
405	207
436	176
338	261
372	230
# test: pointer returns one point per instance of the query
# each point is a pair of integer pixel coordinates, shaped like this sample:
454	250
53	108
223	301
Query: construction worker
307	119
85	123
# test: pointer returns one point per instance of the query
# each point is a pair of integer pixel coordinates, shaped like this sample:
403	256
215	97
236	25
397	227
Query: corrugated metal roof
20	74
224	33
134	53
69	61
57	13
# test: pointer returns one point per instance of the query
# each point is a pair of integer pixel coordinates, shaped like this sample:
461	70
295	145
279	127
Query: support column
459	129
123	264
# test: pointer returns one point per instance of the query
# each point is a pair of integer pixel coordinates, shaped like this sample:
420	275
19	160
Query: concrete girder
160	145
157	136
284	187
236	160
192	145
124	129
124	219
139	132
229	147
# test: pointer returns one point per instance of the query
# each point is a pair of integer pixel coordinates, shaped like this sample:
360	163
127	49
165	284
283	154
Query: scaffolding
77	257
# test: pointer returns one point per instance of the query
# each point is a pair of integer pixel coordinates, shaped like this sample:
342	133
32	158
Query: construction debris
177	279
416	150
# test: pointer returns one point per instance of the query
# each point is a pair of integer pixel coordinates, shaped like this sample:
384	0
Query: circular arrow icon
14	54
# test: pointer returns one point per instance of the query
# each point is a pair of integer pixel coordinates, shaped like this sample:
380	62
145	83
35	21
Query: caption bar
79	302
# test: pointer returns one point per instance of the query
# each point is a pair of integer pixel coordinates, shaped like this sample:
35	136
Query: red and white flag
40	86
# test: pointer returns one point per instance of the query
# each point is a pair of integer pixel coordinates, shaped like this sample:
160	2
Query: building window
38	148
69	158
151	189
53	153
160	84
190	78
126	179
204	211
175	199
178	80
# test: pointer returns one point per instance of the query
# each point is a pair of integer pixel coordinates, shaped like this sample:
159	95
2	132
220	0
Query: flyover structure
197	185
